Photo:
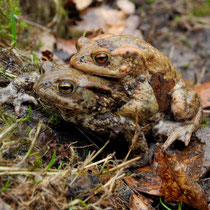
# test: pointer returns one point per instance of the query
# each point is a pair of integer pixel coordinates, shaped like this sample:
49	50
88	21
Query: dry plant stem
81	169
205	111
111	182
36	25
7	73
5	145
32	143
20	172
171	53
124	164
105	160
136	135
57	14
86	162
203	71
105	163
6	131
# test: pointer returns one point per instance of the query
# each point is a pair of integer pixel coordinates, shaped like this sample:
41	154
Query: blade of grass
180	205
13	27
75	202
28	116
164	205
5	186
32	143
51	161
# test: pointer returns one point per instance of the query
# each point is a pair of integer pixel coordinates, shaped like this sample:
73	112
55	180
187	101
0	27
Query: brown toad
94	103
128	59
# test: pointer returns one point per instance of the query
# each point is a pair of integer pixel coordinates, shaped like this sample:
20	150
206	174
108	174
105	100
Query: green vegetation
9	26
150	1
13	27
201	8
5	186
164	205
206	122
51	161
76	202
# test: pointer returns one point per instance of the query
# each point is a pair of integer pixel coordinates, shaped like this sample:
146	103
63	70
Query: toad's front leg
15	93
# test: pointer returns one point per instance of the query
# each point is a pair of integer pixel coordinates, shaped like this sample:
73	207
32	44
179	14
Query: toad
94	103
134	63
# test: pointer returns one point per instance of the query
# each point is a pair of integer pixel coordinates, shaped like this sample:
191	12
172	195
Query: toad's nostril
82	58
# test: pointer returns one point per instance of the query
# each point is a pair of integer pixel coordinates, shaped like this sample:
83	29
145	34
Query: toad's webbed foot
178	130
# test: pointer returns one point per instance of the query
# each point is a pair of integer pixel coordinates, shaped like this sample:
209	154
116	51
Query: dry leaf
204	91
110	20
82	4
65	49
175	175
139	202
179	174
127	6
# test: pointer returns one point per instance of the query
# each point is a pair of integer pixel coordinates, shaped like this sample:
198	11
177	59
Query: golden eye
101	58
66	87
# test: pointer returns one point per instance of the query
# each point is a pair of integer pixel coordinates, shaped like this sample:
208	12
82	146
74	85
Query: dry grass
74	185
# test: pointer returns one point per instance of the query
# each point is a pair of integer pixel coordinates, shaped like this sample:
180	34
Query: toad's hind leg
184	132
187	111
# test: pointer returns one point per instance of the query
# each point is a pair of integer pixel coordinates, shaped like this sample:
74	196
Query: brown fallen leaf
204	91
179	173
175	175
100	17
65	49
139	202
82	4
150	184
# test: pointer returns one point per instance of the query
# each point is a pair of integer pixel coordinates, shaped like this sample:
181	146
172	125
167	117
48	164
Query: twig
100	161
201	76
171	53
33	24
122	165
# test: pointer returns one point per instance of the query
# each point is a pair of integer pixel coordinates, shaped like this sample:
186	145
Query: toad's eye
101	58
66	87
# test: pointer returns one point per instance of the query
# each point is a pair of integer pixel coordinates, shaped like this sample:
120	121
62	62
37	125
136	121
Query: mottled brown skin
130	58
94	103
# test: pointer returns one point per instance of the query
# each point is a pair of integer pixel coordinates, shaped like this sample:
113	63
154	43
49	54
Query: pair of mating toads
116	84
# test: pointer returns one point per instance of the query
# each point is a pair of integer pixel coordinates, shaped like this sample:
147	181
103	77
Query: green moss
185	41
54	118
205	122
76	34
150	1
201	8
